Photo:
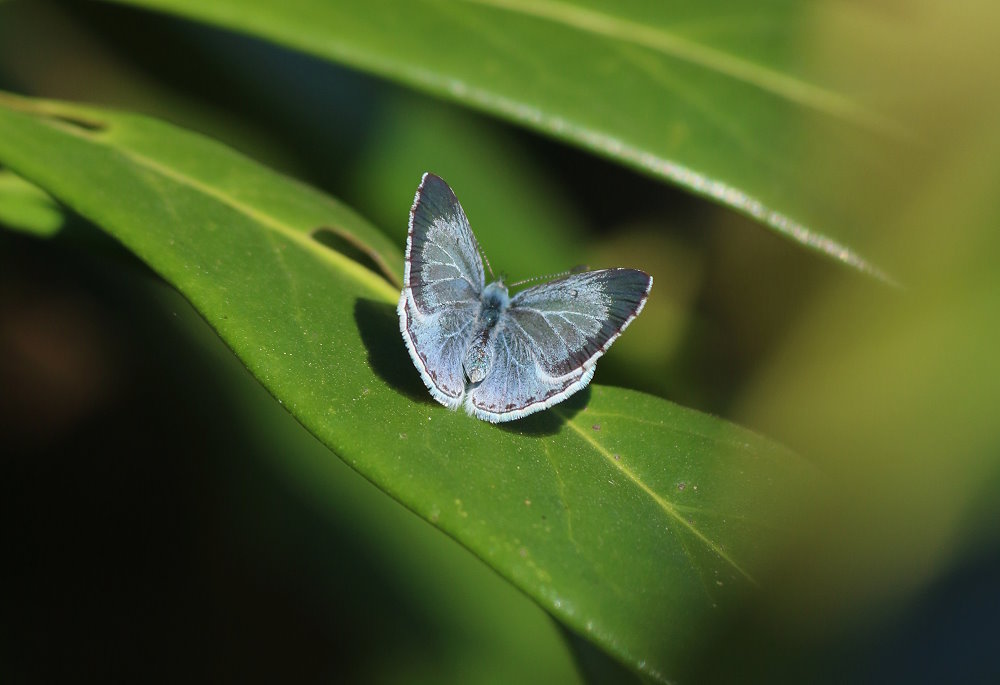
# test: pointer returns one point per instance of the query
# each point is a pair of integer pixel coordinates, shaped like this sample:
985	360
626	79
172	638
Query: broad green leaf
723	98
25	207
637	523
423	583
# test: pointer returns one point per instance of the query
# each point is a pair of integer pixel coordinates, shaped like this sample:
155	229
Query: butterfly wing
442	285
551	338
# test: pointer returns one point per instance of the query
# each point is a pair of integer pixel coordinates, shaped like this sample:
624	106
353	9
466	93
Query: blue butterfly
501	357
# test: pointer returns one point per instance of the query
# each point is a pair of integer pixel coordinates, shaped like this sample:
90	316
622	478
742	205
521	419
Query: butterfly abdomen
479	358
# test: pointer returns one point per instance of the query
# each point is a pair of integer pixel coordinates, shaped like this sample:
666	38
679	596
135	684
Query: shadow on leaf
549	421
378	324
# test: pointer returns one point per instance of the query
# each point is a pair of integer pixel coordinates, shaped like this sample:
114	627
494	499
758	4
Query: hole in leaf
352	248
88	125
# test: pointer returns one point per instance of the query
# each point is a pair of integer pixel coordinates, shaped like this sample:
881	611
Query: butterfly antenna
482	255
547	277
485	259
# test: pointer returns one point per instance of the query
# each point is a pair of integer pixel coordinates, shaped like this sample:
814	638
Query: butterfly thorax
479	357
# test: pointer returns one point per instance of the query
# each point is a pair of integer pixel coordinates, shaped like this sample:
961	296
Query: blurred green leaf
26	207
713	96
636	522
511	203
895	395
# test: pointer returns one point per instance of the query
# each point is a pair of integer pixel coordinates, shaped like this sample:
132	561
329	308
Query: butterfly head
495	295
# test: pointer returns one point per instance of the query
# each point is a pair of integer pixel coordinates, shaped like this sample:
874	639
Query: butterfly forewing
573	320
441	290
443	265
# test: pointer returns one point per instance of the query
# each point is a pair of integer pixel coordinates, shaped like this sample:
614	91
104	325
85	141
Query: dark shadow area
378	324
145	534
551	420
595	665
349	246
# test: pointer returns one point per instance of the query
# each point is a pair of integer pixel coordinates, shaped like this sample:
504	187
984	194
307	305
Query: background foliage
163	509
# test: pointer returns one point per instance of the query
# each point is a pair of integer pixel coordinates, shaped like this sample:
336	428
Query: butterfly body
501	357
479	358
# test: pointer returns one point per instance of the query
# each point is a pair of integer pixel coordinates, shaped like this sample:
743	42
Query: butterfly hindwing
519	389
437	344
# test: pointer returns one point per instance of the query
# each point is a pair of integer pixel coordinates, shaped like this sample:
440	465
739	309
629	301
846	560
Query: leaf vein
663	503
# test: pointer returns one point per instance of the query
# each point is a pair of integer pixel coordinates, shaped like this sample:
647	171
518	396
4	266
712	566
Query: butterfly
501	357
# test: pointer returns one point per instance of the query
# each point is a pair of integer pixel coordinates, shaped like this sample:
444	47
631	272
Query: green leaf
722	98
25	207
423	581
639	524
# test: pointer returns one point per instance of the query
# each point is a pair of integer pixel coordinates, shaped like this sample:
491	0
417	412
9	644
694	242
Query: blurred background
207	552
